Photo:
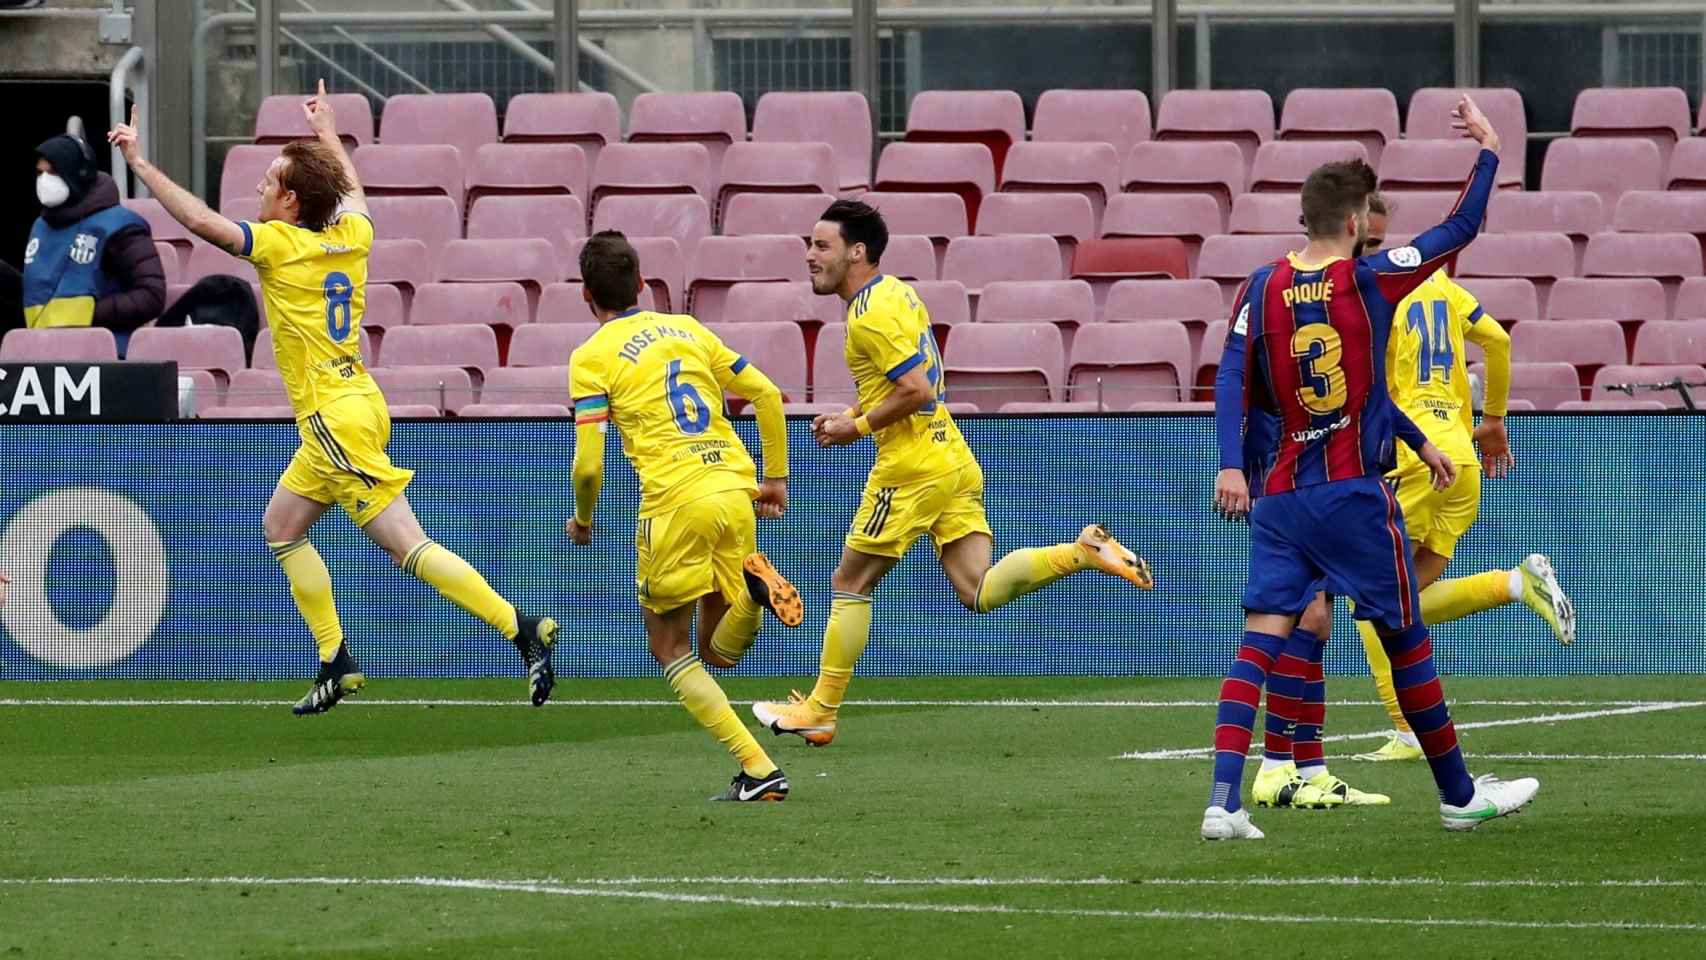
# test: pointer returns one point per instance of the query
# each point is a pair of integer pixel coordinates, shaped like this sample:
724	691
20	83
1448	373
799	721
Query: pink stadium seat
966	169
1607	406
1068	303
1051	409
1118	118
1427	164
1507	299
939	216
1213	168
548	345
994	118
1607	166
1617	374
714	119
1067	217
244	168
280	119
1282	166
425	388
207	260
1208	357
1588	344
257	388
1690	300
1120	364
945	300
651	168
164	228
1245	117
1578	213
831	383
59	345
1669	257
588	120
840	119
531	262
1687	170
1091	169
529	169
1104	262
1266	213
1173	409
1229	260
777	168
1539	257
792	213
502	304
542	384
976	261
721	261
402	170
472	346
228	412
1659	114
1366	115
563	303
384	308
1429	118
794	302
1189	217
218	350
169	262
1660	343
1544	384
462	120
991	364
1188	301
246	207
661	266
811	409
1656	211
685	218
776	347
558	218
1519	405
405	264
910	257
265	358
509	410
1637	299
1413	212
434	221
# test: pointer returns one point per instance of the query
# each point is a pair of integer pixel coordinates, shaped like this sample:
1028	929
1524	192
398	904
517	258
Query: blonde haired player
925	479
311	257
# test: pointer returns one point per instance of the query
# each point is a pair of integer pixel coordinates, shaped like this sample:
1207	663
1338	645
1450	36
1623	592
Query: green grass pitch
943	827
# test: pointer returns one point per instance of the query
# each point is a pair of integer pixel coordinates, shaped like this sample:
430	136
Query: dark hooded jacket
129	259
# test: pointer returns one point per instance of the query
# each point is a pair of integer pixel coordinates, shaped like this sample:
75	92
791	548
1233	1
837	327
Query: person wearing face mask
90	261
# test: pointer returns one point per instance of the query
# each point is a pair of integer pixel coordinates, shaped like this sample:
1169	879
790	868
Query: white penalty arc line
658	896
1184	753
649	702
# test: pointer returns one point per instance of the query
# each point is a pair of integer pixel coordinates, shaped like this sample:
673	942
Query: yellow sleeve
880	335
592	419
1492	338
353	229
266	243
734	374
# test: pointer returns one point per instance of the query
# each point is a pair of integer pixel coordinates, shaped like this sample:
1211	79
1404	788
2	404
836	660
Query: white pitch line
1102	704
565	890
1119	882
1182	753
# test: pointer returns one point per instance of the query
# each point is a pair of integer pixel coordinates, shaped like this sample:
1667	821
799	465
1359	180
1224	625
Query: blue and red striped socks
1285	695
1235	720
1422	700
1306	745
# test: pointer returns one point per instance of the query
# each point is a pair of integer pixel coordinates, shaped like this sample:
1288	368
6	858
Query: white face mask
51	190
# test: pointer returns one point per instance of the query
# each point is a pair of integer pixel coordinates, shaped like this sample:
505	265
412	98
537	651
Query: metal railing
131	63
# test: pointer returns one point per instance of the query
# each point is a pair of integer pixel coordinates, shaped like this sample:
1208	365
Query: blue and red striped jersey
1310	341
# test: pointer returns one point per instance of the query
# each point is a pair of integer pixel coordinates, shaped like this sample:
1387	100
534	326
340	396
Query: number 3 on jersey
681	393
339	291
932	371
1317	348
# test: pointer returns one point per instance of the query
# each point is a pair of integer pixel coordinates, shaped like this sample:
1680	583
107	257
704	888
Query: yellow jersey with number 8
888	334
660	378
1426	368
315	288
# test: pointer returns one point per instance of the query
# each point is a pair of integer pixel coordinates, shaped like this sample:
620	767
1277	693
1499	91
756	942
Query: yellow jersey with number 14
888	334
315	288
660	378
1426	368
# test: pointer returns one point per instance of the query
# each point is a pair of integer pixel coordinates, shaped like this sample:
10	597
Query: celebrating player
312	262
661	379
1315	327
925	479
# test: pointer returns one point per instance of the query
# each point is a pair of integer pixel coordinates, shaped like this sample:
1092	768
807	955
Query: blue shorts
1345	537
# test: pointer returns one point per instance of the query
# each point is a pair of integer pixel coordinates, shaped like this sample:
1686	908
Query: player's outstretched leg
1541	593
287	520
733	626
812	718
1030	569
1235	722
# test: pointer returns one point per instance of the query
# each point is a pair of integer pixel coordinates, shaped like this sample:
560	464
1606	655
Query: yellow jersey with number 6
1426	368
888	334
315	288
660	378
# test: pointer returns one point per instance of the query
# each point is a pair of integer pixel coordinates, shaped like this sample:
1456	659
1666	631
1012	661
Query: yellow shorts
695	550
947	507
342	458
1437	519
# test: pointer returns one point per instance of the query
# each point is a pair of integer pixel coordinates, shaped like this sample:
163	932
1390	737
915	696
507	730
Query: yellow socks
734	636
311	586
1447	600
706	701
1381	667
843	641
1026	571
462	585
